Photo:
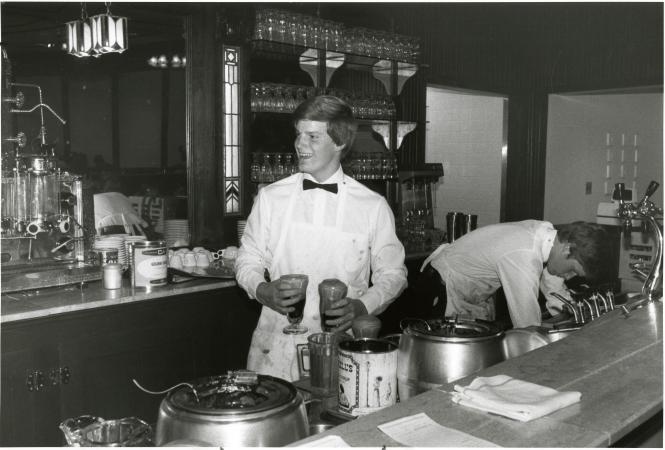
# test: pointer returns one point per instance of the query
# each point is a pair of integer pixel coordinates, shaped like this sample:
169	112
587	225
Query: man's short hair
591	245
336	113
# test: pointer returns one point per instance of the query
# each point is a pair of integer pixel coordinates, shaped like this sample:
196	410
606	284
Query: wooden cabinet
30	406
83	363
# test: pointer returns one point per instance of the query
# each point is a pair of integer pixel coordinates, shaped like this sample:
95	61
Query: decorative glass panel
232	134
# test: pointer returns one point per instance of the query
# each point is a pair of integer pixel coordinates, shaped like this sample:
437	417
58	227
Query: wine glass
299	282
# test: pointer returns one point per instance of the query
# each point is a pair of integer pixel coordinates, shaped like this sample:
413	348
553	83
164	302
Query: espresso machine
43	242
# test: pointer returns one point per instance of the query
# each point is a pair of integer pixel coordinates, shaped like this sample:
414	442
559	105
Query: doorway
467	131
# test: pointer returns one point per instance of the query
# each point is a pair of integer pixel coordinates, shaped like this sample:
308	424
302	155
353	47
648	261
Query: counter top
44	302
24	305
616	362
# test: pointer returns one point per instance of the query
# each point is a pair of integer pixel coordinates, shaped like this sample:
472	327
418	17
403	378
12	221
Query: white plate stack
176	232
116	241
241	229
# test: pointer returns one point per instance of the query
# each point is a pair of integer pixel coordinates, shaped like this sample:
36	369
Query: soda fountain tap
640	268
589	306
647	211
577	313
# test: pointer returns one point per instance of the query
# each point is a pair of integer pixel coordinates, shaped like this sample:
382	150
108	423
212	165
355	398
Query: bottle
112	276
288	164
255	168
279	167
267	175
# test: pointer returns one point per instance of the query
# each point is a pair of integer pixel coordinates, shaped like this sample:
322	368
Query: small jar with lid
112	276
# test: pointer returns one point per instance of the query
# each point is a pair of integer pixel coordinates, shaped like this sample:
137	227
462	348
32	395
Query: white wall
581	131
465	134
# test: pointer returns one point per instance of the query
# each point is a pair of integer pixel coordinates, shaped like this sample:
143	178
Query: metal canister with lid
435	352
149	264
241	409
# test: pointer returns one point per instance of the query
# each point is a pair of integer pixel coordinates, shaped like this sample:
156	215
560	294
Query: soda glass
330	291
299	282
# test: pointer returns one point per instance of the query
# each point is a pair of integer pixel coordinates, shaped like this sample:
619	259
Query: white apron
460	297
319	252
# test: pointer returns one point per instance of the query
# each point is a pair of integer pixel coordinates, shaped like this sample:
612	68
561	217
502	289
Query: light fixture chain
84	12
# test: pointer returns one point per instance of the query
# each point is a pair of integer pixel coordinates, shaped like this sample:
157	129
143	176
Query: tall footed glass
330	291
298	282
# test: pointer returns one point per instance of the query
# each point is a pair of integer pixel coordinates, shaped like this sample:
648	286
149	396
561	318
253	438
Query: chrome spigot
647	211
640	269
575	309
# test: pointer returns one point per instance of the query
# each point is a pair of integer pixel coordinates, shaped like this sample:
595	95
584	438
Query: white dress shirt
510	255
366	213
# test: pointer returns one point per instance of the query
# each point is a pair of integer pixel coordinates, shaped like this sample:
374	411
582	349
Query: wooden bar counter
68	351
616	362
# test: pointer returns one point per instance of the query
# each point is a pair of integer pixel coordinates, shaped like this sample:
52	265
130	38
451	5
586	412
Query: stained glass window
232	135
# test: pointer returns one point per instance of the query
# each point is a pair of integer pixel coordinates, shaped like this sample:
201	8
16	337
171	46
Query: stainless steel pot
435	352
242	409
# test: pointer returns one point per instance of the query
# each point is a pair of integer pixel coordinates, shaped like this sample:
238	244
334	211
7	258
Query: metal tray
225	273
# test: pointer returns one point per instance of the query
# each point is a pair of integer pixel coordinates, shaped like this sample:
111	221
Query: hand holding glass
330	291
297	282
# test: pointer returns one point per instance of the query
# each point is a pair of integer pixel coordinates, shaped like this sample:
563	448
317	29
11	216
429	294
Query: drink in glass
330	291
299	282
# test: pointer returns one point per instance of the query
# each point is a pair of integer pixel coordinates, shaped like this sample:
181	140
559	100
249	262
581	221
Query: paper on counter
327	441
420	430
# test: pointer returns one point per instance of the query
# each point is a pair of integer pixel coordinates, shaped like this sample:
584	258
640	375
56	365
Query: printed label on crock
367	381
151	267
154	252
348	383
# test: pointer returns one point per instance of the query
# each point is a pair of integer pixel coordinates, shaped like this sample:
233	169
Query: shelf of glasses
286	113
276	98
286	51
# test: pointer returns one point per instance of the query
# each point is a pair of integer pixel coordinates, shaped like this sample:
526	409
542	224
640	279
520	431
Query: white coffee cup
190	259
176	261
202	259
230	252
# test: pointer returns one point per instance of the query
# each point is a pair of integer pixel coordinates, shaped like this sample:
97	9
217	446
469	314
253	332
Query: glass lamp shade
109	33
79	38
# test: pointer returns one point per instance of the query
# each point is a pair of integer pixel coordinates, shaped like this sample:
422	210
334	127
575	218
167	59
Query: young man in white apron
321	223
520	257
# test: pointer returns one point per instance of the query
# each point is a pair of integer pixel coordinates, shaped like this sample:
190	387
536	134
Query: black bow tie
309	184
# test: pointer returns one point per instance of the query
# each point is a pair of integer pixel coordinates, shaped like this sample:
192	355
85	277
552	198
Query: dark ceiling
39	27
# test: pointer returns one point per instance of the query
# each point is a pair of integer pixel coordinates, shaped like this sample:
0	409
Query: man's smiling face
318	155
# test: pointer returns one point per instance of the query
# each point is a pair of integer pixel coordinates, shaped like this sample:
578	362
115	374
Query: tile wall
465	134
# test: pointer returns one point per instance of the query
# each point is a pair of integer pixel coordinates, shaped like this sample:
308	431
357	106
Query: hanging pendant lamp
79	36
109	32
96	35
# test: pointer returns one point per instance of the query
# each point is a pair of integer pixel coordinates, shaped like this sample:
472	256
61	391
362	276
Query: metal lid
115	267
368	345
149	243
454	330
236	393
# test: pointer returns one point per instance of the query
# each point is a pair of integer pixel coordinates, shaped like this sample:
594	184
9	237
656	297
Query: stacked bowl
113	241
176	232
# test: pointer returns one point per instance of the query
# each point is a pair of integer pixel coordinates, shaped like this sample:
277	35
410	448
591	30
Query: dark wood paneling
522	50
526	51
158	342
203	158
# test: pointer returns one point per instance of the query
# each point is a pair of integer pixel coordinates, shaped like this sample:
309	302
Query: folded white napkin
516	399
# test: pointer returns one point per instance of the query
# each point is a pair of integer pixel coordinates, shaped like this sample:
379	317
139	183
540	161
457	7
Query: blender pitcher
91	431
